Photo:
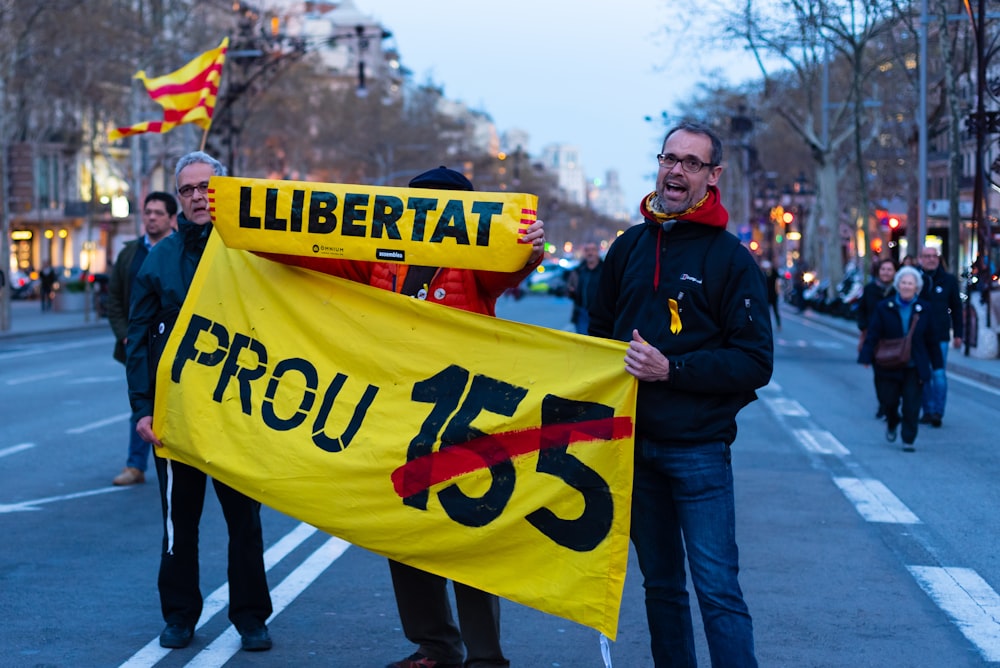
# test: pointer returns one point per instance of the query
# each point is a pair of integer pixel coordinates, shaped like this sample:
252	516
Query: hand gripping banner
437	228
491	452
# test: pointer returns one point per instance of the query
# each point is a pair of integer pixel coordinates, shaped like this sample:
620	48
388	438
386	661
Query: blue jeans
138	449
683	496
936	391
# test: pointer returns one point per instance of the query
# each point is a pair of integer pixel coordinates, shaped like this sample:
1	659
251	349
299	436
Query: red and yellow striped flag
186	95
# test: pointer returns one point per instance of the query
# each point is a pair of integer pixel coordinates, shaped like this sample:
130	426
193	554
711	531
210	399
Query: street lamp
362	35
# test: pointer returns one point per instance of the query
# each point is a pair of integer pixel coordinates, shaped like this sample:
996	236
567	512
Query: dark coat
158	293
925	353
873	293
942	293
723	349
123	274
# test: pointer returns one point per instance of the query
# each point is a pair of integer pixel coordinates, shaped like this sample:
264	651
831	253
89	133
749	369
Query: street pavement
27	318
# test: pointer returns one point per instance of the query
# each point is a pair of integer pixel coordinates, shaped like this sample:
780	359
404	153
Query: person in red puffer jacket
422	597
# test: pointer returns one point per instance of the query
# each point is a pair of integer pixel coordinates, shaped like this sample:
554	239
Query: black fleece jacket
720	353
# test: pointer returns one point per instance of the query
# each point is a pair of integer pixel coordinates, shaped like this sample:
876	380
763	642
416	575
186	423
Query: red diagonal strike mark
480	453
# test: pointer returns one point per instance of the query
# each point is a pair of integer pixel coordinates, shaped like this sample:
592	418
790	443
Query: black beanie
442	178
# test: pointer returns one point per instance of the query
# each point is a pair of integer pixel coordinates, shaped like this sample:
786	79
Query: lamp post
362	35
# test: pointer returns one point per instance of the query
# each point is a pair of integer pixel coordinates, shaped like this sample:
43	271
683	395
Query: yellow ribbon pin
675	317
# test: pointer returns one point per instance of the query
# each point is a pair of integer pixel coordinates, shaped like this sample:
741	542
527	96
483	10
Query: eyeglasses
689	164
188	190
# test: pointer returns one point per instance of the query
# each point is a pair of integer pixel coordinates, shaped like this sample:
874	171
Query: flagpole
204	138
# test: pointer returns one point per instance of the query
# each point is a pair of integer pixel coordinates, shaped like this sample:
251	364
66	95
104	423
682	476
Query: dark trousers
893	391
425	614
180	596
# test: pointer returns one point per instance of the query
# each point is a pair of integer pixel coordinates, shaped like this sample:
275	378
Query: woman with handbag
901	346
879	288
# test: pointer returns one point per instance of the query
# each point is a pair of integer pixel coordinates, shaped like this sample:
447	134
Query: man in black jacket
157	295
159	215
941	291
581	286
692	304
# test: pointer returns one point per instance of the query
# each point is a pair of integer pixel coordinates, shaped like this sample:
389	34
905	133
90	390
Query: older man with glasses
691	303
941	291
157	295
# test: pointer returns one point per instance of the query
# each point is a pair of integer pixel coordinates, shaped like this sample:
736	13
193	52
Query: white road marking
152	653
971	603
33	505
228	644
783	406
875	502
86	380
40	376
16	448
100	423
820	441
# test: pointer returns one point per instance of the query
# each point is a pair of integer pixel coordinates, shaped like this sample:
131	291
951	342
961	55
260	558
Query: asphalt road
853	553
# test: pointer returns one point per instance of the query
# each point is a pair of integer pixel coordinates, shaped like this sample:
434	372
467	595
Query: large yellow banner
436	228
491	452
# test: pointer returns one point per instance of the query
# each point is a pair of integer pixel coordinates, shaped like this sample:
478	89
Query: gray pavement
27	318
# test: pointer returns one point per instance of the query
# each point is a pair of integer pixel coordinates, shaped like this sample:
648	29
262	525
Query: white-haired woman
892	319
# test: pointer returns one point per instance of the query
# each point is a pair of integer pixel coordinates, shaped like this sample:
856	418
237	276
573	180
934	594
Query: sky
584	73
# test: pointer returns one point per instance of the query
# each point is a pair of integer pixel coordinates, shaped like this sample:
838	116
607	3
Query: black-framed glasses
188	190
689	164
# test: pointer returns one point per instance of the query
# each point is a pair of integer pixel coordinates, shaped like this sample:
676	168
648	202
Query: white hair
909	271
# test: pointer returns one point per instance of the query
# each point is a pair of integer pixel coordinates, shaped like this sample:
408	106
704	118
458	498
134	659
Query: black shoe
256	639
926	419
176	636
890	434
935	420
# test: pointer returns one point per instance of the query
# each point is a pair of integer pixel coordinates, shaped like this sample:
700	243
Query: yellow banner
491	452
437	228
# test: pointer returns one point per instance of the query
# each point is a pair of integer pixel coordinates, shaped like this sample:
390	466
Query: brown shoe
130	476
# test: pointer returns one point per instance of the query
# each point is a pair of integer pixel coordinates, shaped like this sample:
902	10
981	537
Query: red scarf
708	211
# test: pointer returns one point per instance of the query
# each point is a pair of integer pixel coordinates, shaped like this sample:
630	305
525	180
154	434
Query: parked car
99	288
23	286
549	277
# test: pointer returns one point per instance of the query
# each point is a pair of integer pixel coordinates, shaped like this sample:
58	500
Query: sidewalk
26	317
986	371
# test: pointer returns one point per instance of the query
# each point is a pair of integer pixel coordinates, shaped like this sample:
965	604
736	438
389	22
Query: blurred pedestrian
581	285
158	292
941	291
422	597
47	282
773	279
159	213
881	287
892	319
691	303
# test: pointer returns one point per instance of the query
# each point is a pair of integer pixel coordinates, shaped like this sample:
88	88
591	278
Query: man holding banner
157	295
692	304
422	597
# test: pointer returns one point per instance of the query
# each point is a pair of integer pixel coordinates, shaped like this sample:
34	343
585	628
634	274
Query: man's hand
534	235
644	361
144	427
957	343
